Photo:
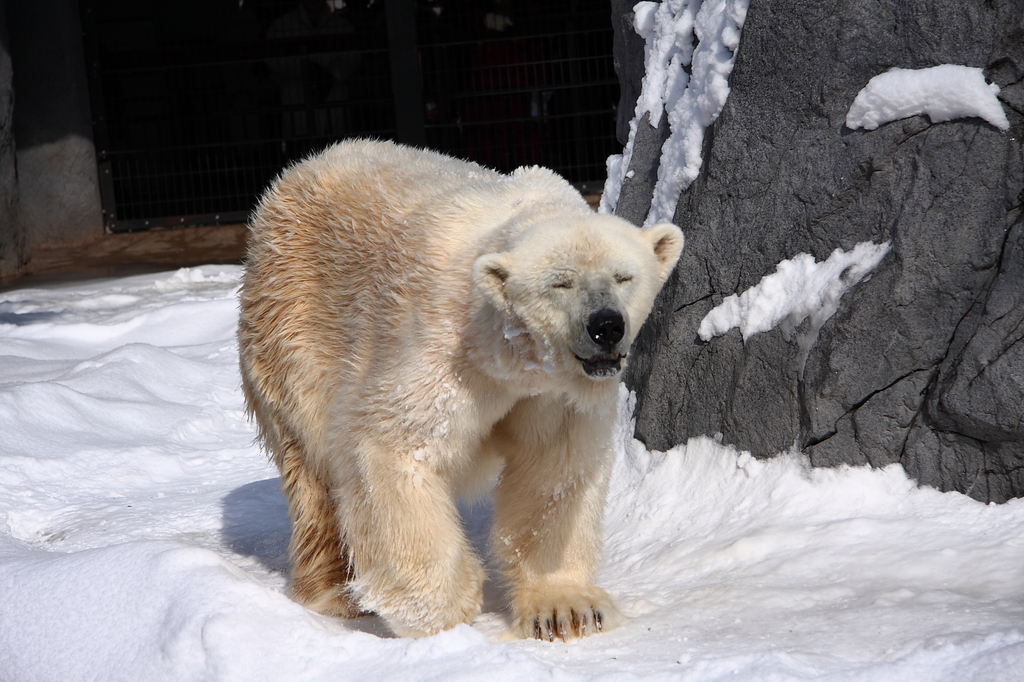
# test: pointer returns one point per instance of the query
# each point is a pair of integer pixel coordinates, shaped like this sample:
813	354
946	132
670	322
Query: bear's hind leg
321	571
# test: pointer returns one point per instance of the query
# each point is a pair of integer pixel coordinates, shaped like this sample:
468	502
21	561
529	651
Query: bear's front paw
424	603
566	612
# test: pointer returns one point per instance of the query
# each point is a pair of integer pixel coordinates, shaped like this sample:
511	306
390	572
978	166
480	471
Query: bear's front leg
413	564
547	518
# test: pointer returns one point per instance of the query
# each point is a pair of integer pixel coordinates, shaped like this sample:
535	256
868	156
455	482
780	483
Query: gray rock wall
923	363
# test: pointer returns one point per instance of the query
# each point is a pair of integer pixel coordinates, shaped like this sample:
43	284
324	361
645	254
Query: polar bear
413	326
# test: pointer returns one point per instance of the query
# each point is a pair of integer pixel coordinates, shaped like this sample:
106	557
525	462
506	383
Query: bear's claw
565	612
574	626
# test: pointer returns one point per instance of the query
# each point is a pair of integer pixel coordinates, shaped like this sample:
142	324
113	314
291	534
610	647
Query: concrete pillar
13	248
57	179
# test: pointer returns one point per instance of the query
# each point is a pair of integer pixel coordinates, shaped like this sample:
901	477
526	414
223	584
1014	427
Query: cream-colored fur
412	324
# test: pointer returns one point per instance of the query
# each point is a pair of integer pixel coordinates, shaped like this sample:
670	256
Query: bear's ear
489	274
667	241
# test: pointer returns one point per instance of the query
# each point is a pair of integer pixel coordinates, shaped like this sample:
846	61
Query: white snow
690	83
143	537
943	92
800	288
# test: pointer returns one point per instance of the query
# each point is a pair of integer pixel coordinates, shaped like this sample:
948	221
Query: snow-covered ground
142	536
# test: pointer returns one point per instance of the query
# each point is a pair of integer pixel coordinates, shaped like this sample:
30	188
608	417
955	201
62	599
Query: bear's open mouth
602	364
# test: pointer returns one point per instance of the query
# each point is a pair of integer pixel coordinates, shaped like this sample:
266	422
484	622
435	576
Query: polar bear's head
580	287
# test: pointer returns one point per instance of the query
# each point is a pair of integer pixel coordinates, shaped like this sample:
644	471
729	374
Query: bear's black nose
606	327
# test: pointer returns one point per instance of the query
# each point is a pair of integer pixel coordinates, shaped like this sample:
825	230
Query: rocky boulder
923	362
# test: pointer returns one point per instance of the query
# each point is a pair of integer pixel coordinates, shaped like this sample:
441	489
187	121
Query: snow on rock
692	111
689	82
800	288
143	535
616	166
943	92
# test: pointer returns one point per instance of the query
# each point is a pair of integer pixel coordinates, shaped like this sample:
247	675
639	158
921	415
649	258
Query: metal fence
198	104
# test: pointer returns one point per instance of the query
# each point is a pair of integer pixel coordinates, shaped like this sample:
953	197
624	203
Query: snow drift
142	535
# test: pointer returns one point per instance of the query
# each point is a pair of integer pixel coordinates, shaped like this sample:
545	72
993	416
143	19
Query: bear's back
339	262
349	227
358	249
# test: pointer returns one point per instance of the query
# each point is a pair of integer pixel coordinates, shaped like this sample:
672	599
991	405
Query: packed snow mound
944	93
143	536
